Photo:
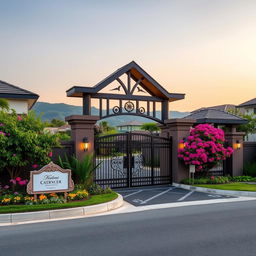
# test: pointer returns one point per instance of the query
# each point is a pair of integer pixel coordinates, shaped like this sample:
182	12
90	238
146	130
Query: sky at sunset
205	49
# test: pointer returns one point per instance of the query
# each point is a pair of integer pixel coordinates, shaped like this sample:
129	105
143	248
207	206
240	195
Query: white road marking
215	196
139	201
134	193
157	195
187	195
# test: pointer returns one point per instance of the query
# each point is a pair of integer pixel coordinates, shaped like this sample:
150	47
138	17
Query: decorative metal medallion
142	110
129	106
116	109
116	164
138	165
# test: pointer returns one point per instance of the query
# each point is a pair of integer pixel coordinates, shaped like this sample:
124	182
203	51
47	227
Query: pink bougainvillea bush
204	147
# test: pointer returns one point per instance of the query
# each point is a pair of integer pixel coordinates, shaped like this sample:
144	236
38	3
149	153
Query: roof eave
221	121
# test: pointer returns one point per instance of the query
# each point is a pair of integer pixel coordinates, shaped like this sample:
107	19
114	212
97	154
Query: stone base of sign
15	218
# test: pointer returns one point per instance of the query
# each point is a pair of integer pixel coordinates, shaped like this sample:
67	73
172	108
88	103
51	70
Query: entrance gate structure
130	159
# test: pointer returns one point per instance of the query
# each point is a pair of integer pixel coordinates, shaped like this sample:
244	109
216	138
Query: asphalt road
216	229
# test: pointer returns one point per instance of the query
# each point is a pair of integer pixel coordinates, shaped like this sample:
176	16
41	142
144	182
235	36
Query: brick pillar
237	159
177	129
82	126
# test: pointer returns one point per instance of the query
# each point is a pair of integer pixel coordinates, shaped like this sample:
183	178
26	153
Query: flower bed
92	200
15	194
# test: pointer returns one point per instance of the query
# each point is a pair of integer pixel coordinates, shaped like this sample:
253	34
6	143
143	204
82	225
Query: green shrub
23	144
243	179
207	180
218	180
83	170
250	169
96	189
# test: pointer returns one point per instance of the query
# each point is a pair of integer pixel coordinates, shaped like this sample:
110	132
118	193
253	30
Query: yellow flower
17	198
6	200
72	195
82	193
42	197
28	198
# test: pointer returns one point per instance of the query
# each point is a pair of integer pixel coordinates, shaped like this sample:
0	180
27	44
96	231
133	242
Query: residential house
19	99
249	108
129	126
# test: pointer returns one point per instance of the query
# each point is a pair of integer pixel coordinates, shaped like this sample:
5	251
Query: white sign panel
50	178
192	168
50	181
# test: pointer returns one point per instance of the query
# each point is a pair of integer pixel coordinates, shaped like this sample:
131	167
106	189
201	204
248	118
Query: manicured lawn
231	186
97	199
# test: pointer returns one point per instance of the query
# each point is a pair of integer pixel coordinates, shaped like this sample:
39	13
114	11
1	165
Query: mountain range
49	111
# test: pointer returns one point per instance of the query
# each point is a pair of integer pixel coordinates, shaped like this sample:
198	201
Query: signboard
51	178
192	168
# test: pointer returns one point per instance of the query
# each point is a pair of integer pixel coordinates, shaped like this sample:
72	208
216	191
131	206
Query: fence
249	151
67	148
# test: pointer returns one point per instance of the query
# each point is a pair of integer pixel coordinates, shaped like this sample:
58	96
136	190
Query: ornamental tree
23	144
204	147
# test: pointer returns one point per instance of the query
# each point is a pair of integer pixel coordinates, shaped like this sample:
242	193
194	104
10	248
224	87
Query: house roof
224	107
11	91
147	82
248	103
215	116
131	123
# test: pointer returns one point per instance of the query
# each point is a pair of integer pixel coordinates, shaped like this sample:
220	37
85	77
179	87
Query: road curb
13	218
215	191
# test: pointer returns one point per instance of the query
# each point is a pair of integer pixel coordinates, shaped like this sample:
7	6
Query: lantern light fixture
86	144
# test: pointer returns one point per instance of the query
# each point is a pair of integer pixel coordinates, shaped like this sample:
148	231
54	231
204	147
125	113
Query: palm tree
151	127
4	104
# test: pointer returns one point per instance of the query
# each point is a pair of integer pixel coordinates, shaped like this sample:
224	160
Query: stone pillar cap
180	121
82	118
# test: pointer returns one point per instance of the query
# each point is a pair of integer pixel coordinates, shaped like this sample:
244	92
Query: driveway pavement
161	195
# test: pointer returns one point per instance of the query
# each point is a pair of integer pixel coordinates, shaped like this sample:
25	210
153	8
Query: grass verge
237	186
97	199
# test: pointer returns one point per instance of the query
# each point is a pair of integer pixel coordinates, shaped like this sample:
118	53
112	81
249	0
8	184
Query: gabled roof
11	91
137	73
248	103
215	116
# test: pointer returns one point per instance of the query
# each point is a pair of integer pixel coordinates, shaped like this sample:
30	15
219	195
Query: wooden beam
107	106
125	97
165	110
100	108
154	109
86	104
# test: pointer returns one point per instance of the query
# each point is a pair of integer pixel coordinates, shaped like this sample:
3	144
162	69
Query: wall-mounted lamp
86	143
238	144
182	143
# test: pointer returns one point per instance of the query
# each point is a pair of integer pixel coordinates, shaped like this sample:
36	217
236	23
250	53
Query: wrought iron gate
132	159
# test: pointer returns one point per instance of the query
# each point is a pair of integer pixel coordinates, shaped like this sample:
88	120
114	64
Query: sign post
50	179
192	170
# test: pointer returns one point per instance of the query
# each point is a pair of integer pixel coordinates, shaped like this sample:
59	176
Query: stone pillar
82	126
237	159
177	129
